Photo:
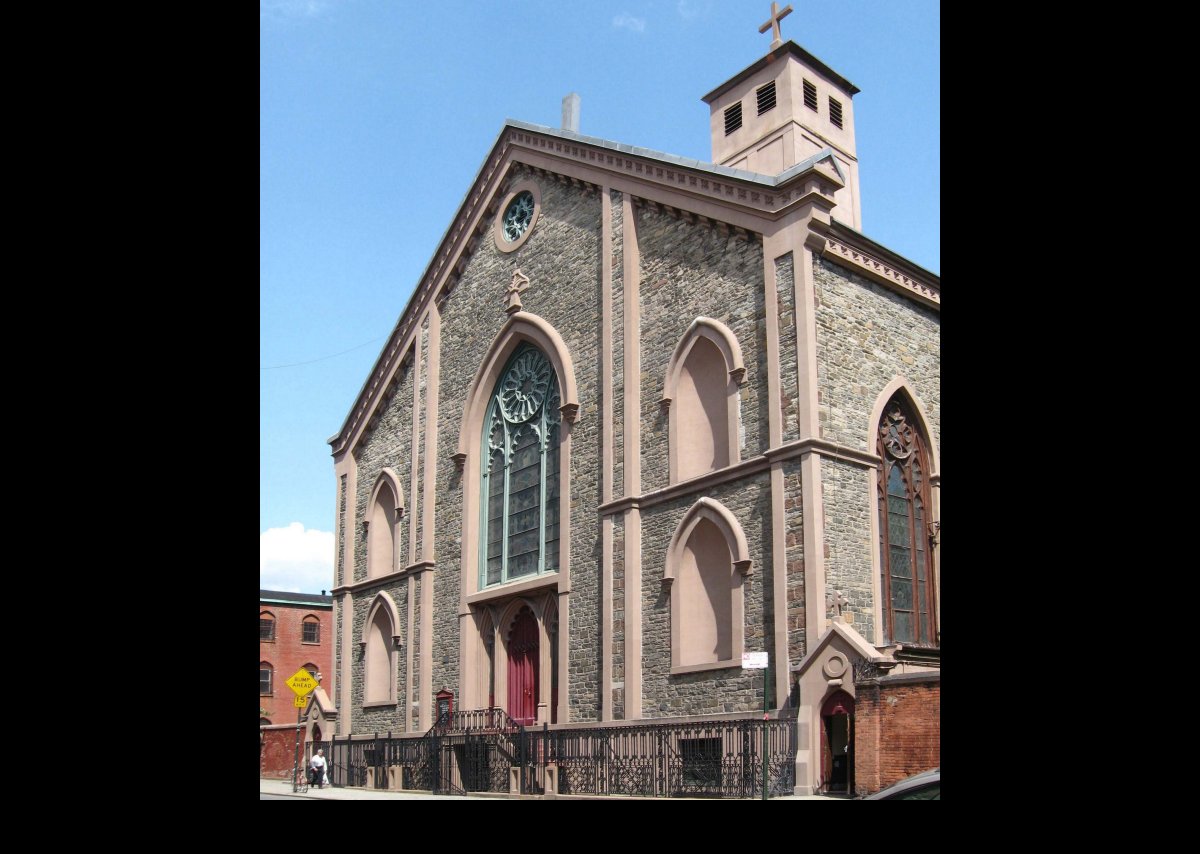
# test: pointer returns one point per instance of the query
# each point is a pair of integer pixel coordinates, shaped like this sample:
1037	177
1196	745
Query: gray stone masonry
389	446
562	260
785	292
711	691
419	468
376	718
866	335
793	502
618	335
689	271
848	507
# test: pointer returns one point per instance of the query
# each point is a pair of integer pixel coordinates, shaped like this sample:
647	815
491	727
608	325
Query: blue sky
376	115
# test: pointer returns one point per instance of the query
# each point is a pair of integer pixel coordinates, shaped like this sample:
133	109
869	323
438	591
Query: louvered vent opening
835	112
810	95
766	97
733	118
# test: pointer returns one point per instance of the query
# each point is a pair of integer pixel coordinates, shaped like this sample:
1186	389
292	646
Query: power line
323	358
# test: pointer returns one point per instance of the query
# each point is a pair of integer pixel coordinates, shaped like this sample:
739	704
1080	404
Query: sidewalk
329	793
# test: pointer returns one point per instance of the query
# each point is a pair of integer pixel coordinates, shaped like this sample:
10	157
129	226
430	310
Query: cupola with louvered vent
782	110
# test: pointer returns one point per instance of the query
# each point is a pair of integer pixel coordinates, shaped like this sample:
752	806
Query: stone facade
785	294
389	446
618	334
845	489
709	691
374	717
793	498
674	264
691	271
866	336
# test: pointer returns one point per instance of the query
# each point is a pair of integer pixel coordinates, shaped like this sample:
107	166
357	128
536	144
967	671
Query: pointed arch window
906	563
707	563
380	659
702	400
520	522
386	511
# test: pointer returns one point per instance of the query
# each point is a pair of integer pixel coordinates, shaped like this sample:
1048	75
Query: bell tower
783	109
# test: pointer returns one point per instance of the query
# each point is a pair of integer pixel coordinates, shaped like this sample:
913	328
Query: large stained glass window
906	574
520	472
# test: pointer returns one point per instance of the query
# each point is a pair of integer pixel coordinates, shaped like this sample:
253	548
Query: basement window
766	97
835	112
810	95
733	118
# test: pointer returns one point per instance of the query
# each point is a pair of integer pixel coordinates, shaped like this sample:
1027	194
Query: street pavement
329	793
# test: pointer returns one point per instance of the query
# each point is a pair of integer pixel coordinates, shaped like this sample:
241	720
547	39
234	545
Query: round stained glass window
518	216
524	387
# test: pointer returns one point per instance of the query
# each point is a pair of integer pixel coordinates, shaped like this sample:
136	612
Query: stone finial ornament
519	283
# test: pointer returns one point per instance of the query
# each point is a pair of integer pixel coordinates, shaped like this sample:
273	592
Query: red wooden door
523	668
837	725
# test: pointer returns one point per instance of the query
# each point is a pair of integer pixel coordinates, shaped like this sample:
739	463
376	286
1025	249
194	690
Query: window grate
835	112
266	629
733	118
766	97
810	95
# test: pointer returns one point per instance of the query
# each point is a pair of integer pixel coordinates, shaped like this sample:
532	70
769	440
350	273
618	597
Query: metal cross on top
773	23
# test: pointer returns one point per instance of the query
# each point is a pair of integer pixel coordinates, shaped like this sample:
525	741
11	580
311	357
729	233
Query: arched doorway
837	743
523	668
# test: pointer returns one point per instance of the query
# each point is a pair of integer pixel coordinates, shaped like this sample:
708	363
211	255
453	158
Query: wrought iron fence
711	759
478	751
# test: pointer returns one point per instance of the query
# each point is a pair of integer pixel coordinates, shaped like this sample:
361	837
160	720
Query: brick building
294	630
643	415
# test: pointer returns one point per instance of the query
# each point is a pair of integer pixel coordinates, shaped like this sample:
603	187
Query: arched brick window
266	679
266	627
310	630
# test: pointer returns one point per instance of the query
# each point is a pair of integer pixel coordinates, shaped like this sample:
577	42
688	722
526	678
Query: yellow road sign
301	701
302	682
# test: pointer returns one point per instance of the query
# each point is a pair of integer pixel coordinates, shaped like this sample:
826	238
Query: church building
646	425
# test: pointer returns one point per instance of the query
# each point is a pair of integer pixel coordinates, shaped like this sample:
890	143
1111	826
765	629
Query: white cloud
295	560
292	8
688	9
637	25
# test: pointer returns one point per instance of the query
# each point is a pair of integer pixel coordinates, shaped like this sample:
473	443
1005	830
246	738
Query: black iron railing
478	750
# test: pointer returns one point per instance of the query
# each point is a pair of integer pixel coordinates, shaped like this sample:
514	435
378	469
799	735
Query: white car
926	786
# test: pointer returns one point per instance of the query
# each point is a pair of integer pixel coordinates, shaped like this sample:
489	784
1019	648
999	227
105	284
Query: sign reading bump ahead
302	682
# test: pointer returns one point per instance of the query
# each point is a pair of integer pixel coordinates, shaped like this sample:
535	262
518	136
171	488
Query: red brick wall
278	753
897	731
288	653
